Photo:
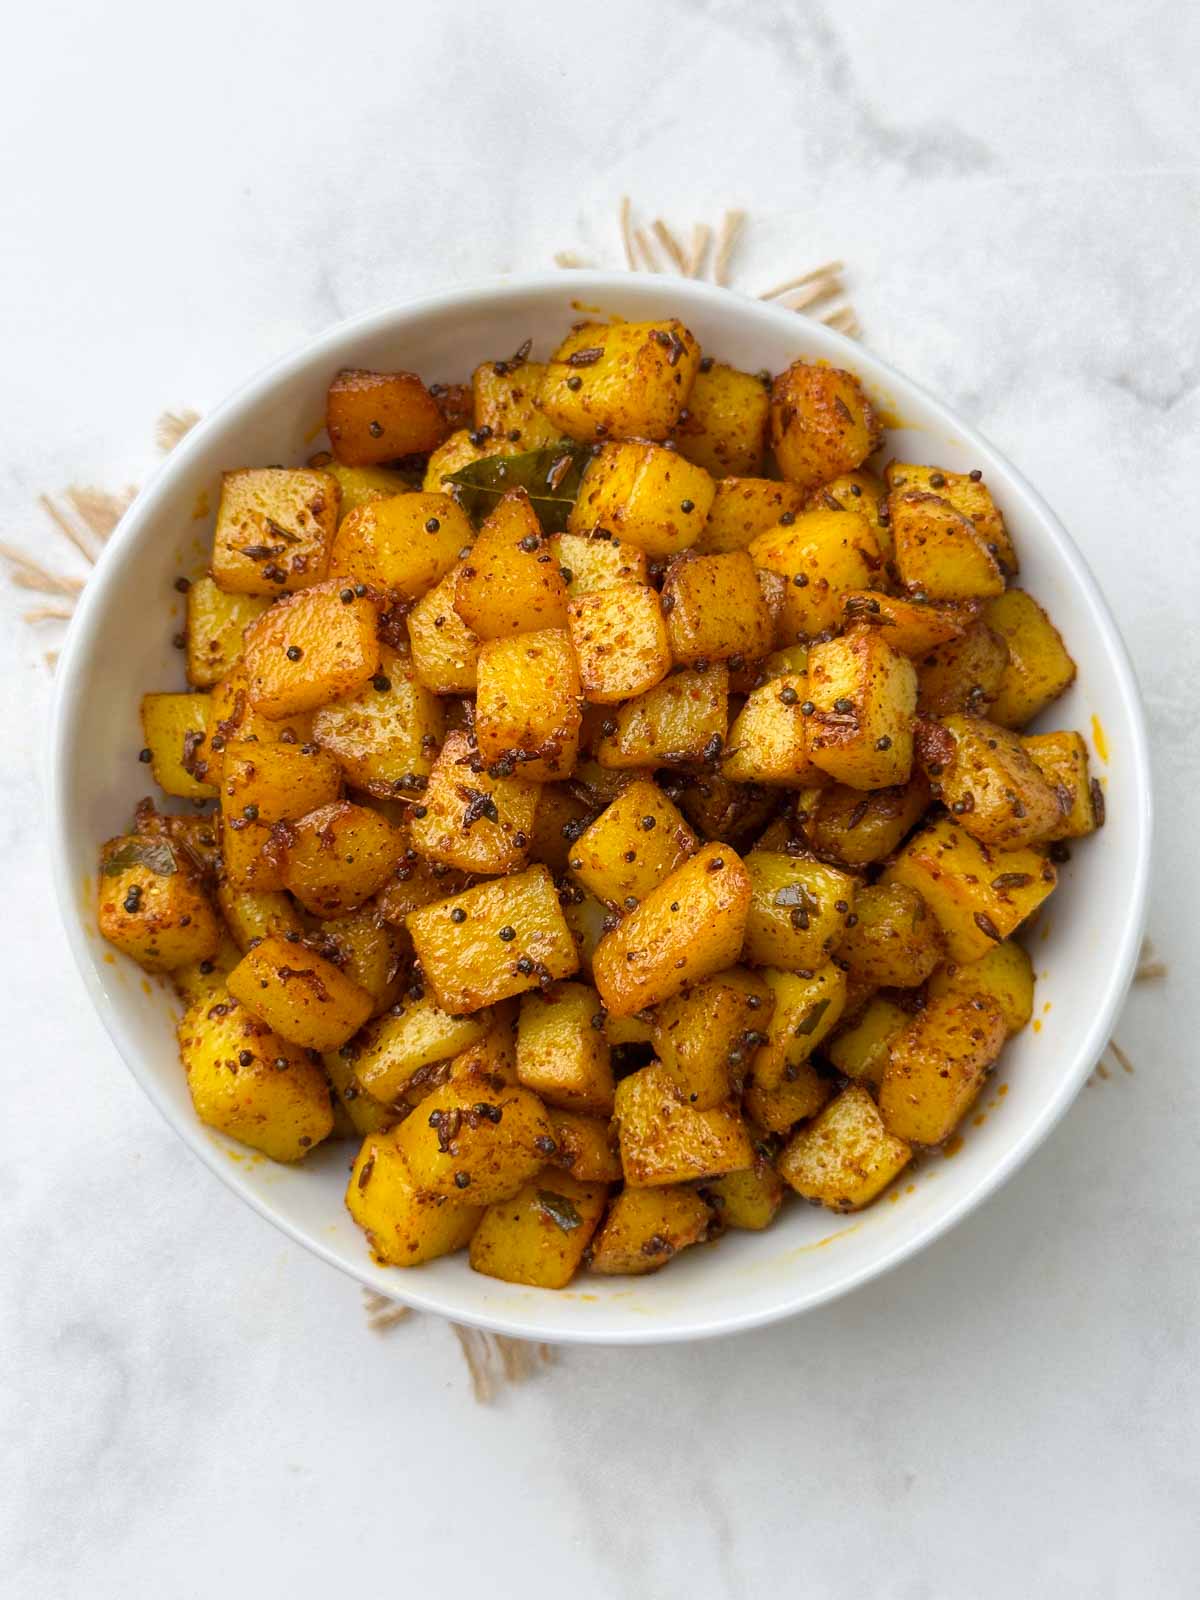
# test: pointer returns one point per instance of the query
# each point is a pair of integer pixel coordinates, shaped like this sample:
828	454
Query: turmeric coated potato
603	793
822	424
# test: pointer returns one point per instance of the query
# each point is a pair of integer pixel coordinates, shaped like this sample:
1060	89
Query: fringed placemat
81	518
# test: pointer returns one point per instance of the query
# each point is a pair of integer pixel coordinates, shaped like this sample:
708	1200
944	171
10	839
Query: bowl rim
67	703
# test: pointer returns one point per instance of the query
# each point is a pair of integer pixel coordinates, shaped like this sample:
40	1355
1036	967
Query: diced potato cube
821	555
511	938
894	942
964	674
646	1227
864	493
540	1234
969	496
250	867
822	423
462	1142
626	379
527	708
743	508
768	741
459	450
401	546
597	560
360	485
632	846
749	1199
681	721
471	820
979	895
859	828
936	1067
1039	668
364	1114
808	1007
174	727
390	1051
510	583
715	609
275	526
204	980
864	695
620	640
336	857
506	403
861	1050
255	913
309	649
368	949
665	1140
445	653
939	552
718	809
646	495
793	1099
995	788
637	1029
912	628
270	782
688	928
585	1147
798	911
492	1060
588	922
216	622
381	416
705	1036
846	1157
1062	759
562	1053
725	430
151	907
385	735
249	1083
231	716
1004	975
299	994
404	1225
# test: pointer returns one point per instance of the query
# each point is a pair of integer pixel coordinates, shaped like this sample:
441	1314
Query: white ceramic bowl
1084	947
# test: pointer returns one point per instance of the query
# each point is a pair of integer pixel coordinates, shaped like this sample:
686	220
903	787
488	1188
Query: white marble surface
188	1403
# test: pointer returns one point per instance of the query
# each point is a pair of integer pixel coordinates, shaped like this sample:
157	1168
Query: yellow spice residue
1002	1090
952	1146
110	958
315	432
1037	1024
200	506
1099	738
596	311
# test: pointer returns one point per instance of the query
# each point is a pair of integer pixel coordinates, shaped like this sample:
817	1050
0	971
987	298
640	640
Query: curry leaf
812	1020
156	855
560	1210
550	476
